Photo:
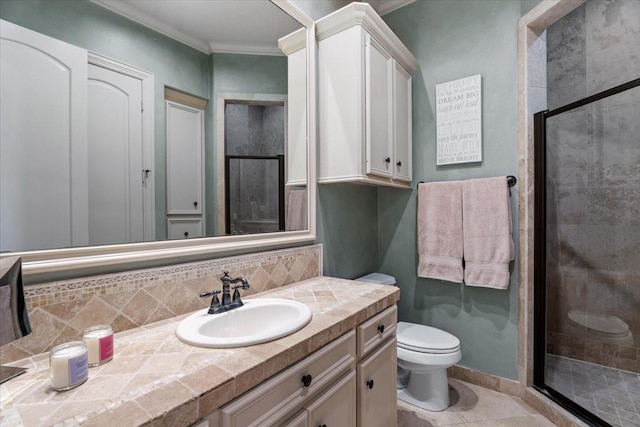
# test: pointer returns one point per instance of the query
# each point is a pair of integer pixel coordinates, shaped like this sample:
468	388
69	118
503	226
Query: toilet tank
378	278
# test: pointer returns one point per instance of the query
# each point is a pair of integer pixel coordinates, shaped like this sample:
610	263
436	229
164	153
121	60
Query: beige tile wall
60	311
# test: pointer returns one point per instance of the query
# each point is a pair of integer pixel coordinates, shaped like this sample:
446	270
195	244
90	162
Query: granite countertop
155	379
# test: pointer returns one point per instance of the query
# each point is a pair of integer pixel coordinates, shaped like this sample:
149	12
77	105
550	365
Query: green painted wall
347	221
452	40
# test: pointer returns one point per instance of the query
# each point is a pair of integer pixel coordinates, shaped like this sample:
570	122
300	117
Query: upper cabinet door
379	108
185	130
402	123
43	141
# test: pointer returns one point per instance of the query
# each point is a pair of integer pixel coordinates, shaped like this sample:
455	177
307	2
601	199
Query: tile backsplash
60	311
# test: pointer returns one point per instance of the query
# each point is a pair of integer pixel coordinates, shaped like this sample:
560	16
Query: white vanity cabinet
376	372
364	83
349	382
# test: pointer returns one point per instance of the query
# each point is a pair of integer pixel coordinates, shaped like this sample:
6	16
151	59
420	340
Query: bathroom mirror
201	70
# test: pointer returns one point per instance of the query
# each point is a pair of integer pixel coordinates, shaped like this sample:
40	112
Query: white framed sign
459	121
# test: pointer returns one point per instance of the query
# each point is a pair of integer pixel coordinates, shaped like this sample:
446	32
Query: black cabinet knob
195	204
399	164
323	425
306	380
381	329
370	384
186	234
388	160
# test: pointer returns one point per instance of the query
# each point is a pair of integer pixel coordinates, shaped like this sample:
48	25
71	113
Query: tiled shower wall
593	159
60	311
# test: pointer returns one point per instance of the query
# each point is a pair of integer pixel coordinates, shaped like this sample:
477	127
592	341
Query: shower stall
587	256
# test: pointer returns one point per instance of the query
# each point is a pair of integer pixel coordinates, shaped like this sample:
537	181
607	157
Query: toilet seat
425	339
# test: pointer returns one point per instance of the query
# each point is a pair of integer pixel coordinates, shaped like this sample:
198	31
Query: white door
378	70
185	136
115	158
43	134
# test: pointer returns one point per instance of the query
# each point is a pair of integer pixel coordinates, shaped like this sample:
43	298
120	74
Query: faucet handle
208	294
236	293
215	302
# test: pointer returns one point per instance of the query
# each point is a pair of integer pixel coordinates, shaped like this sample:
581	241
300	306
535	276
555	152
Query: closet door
185	129
43	141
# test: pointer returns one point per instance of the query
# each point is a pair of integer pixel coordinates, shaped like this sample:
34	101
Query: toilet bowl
606	328
425	352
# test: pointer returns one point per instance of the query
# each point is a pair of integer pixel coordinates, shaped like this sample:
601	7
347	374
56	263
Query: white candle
68	365
99	341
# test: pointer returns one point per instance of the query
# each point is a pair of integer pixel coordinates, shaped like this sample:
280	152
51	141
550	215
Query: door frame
241	98
148	189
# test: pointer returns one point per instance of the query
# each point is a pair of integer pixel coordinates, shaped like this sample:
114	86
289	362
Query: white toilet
426	353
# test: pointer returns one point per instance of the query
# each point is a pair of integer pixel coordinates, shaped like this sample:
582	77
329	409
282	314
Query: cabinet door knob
306	380
387	160
381	329
195	204
399	164
323	425
186	234
370	384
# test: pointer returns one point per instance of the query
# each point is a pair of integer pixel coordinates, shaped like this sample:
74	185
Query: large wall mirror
137	131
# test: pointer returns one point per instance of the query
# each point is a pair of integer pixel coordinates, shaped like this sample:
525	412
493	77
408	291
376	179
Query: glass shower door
587	259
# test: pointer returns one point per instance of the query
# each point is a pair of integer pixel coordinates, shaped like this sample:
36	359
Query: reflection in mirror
94	171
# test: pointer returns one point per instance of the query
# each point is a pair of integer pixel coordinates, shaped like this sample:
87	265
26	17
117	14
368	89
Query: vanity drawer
277	398
376	330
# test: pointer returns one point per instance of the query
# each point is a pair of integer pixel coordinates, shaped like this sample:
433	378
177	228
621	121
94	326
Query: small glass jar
99	341
68	365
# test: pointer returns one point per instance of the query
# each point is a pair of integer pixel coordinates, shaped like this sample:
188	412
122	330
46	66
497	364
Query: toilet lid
600	323
425	339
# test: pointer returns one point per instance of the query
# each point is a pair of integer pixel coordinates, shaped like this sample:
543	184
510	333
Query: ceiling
233	26
236	26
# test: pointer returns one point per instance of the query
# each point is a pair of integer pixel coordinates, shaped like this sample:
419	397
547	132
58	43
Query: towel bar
511	181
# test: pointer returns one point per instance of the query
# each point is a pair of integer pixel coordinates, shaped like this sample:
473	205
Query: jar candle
99	341
68	365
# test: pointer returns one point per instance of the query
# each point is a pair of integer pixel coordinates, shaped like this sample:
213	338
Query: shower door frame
539	253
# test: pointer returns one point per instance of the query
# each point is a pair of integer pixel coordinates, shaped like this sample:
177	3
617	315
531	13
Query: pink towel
440	231
488	245
296	218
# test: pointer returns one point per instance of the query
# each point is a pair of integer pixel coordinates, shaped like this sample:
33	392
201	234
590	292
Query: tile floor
473	406
611	394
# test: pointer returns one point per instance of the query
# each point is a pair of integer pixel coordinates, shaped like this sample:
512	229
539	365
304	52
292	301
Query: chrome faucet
228	302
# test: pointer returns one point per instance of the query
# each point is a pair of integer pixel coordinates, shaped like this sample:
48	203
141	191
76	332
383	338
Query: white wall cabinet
294	46
364	79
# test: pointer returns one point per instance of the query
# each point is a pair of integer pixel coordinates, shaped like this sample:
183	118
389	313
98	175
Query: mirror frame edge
76	261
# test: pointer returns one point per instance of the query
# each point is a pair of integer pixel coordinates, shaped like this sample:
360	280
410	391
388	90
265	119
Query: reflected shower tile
567	37
611	24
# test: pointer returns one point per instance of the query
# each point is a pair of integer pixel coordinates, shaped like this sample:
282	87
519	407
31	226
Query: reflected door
43	125
115	158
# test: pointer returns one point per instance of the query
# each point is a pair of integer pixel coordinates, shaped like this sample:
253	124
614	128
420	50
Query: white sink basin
257	321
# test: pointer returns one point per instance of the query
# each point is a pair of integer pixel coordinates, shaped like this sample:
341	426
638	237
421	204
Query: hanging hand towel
440	231
296	218
488	245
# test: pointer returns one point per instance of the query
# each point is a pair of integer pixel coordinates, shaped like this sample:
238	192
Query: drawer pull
306	380
370	384
381	329
323	425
